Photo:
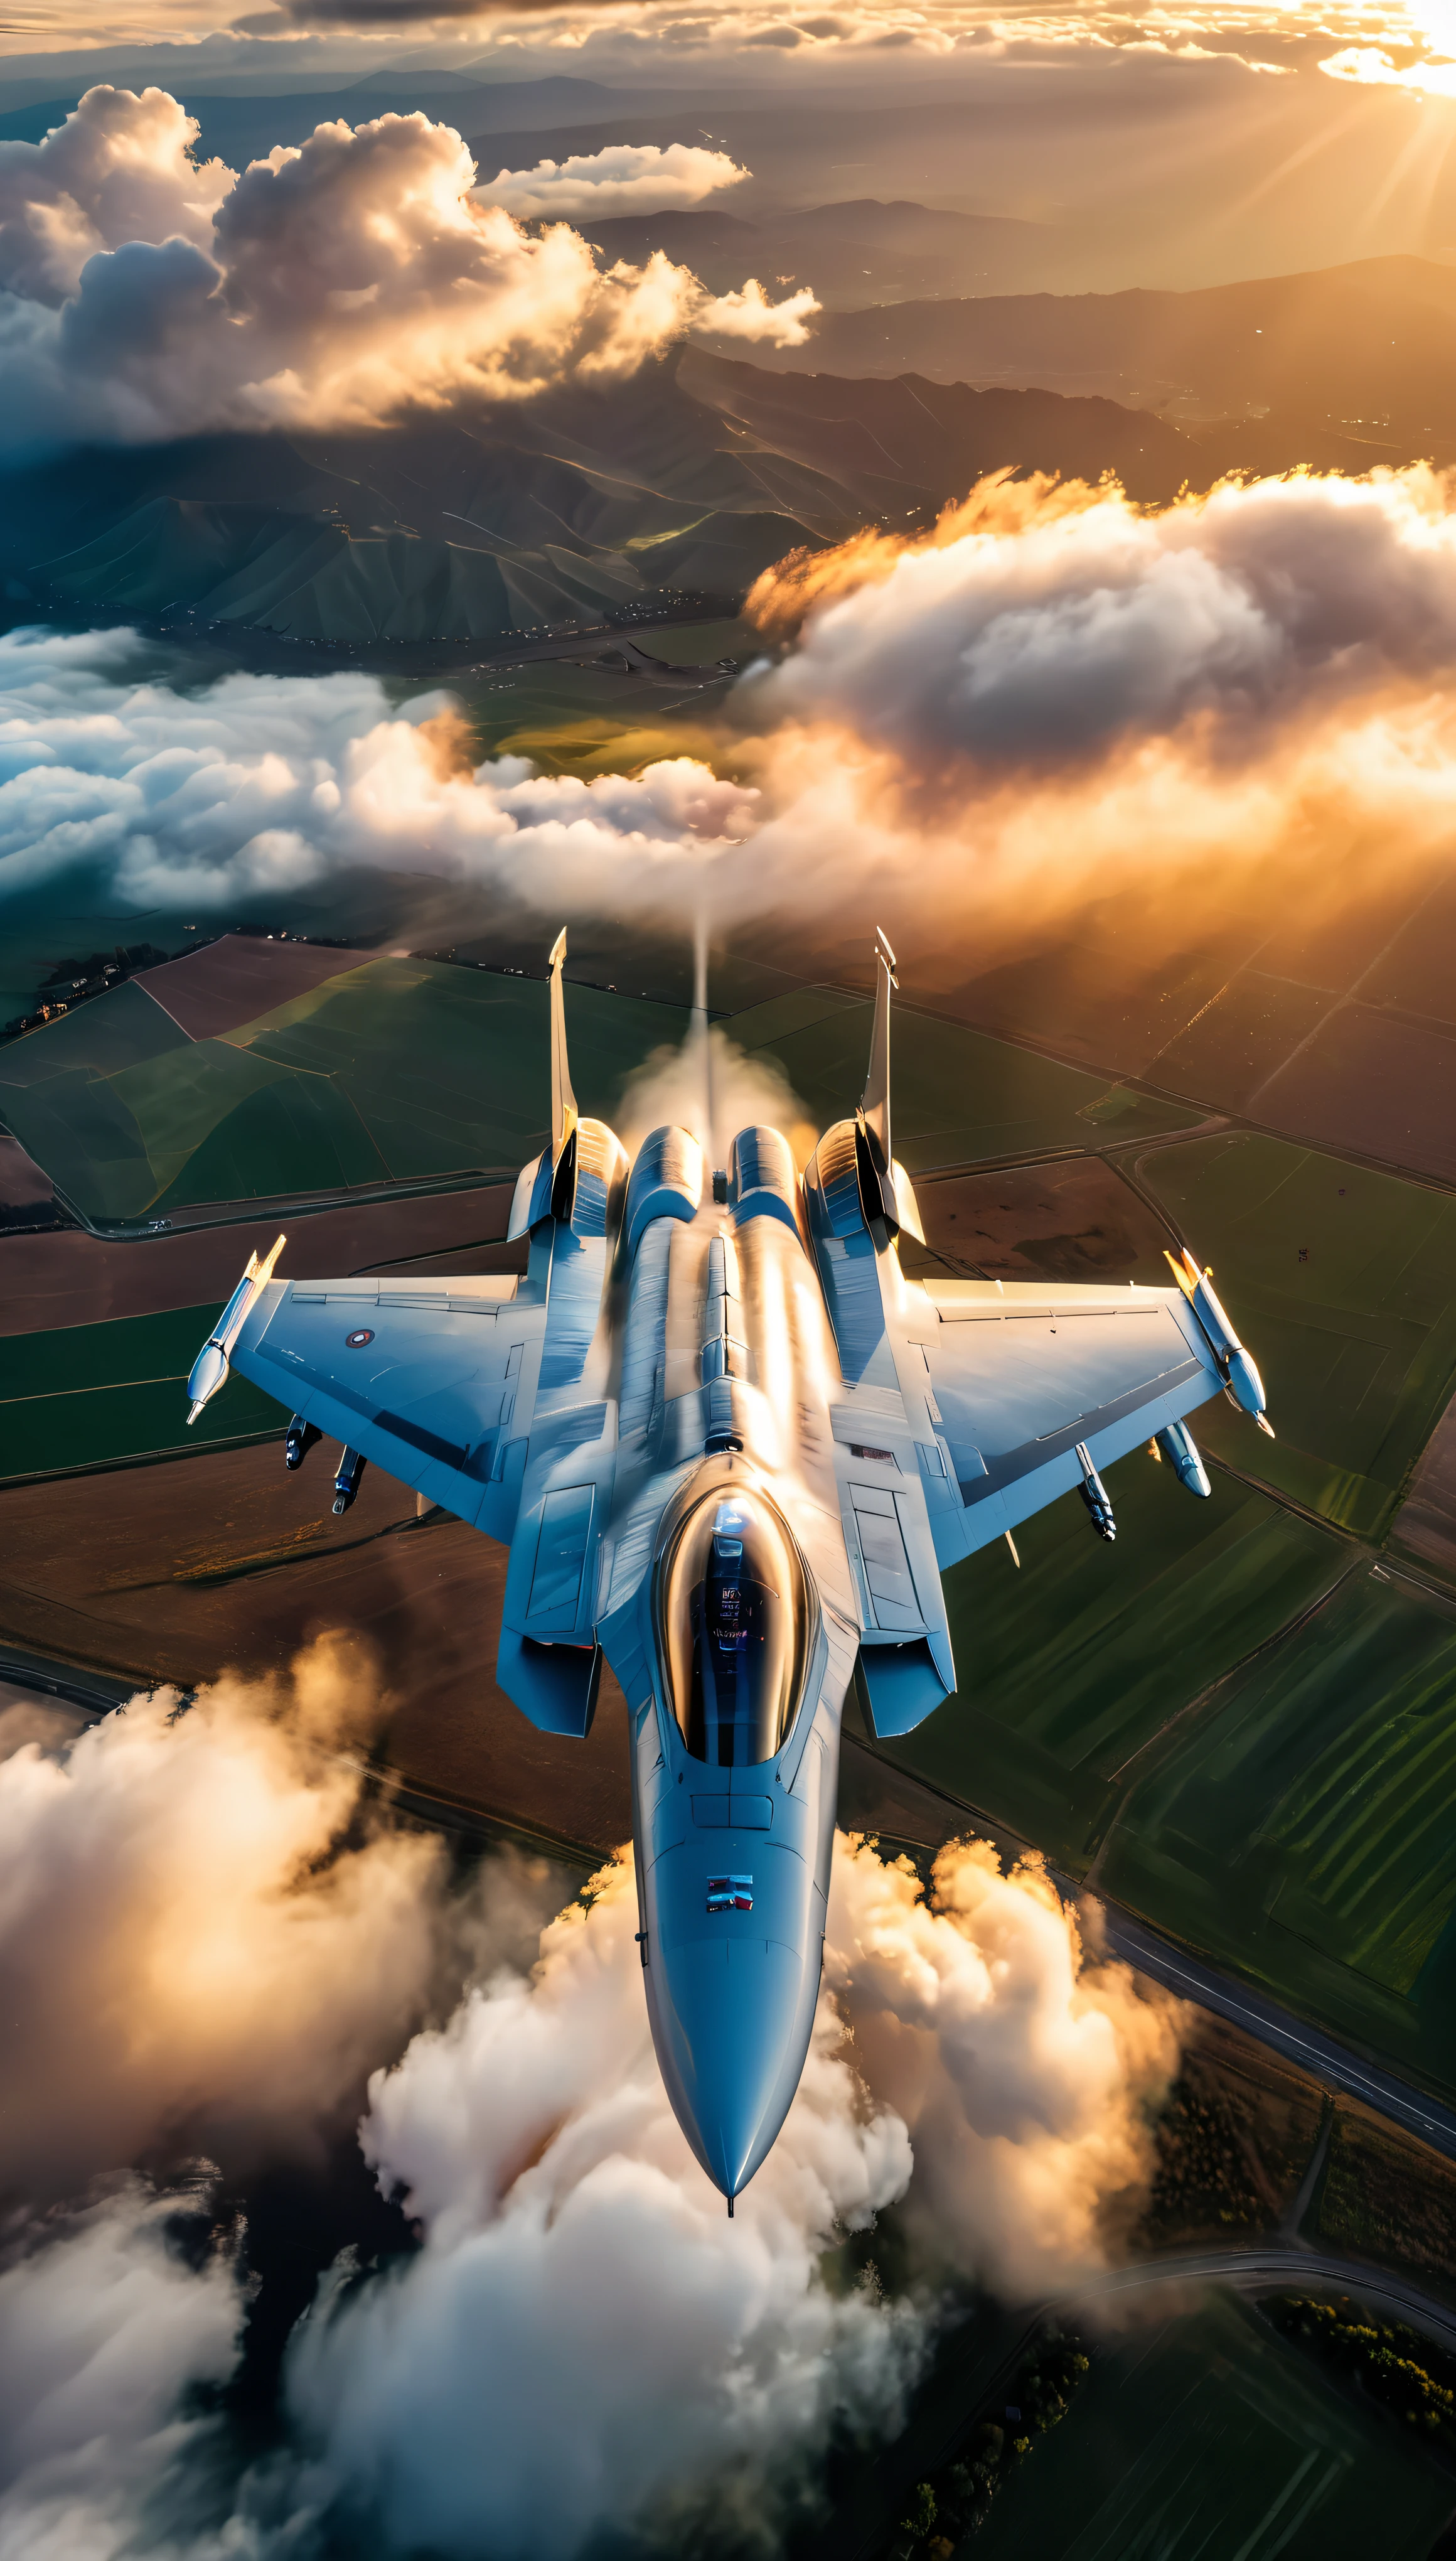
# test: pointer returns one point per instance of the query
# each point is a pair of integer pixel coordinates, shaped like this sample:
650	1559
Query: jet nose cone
731	2020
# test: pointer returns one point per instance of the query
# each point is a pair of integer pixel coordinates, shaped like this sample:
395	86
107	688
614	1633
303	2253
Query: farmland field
1206	2436
87	1396
1071	1667
959	1095
1343	1281
1301	1826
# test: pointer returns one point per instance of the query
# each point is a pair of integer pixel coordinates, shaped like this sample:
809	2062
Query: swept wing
1020	1381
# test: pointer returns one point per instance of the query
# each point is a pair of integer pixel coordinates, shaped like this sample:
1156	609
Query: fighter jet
732	1446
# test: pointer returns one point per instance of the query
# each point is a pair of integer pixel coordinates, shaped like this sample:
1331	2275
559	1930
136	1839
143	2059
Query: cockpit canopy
732	1621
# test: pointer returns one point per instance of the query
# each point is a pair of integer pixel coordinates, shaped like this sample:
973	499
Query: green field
401	1069
86	1396
395	1068
1205	2439
960	1097
1071	1667
1302	1827
1342	1282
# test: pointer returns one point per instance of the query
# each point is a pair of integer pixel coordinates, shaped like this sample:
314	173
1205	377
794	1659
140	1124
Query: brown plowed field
212	991
172	1570
71	1278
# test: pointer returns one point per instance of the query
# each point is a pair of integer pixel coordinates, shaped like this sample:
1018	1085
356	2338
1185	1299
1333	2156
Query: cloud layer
187	1956
582	2339
627	178
344	282
271	785
640	2356
1058	696
1042	623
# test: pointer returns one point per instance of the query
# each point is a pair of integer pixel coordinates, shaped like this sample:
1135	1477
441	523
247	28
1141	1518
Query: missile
209	1369
1178	1445
298	1439
346	1484
1239	1370
1096	1495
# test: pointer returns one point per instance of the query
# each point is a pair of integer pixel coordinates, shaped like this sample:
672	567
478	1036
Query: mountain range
630	501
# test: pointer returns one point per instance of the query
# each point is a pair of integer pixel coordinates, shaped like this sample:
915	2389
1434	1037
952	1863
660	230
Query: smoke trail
713	1088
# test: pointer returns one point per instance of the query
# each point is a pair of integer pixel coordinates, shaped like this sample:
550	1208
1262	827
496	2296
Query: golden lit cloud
345	281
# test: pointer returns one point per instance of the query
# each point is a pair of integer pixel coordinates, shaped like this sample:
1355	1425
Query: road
1294	2038
1260	2271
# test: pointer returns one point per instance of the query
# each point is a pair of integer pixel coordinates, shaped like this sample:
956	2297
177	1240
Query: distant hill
621	503
569	510
845	251
237	126
1343	361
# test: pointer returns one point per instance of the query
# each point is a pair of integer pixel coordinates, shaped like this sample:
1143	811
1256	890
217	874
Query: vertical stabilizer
562	1100
875	1153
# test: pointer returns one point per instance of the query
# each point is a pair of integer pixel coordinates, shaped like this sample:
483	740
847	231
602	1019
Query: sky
1190	145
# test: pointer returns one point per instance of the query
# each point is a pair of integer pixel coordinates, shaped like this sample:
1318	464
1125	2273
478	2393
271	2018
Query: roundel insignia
355	1342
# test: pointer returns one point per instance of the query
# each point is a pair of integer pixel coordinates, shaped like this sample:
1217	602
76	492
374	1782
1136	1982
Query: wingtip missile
1241	1370
211	1368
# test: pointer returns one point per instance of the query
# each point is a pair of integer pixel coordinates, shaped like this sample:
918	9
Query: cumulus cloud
342	282
1042	623
582	2339
627	178
188	1955
1058	695
121	168
1024	2077
584	2335
107	2334
273	783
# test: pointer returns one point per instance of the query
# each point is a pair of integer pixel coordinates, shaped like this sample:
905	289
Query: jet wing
423	1378
1019	1377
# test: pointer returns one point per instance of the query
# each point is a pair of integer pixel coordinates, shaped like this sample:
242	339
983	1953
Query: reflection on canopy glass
733	1615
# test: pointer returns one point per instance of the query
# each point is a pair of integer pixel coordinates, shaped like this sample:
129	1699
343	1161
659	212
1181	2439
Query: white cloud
183	1958
121	168
585	2336
107	2332
583	2340
627	178
1045	624
260	783
344	282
